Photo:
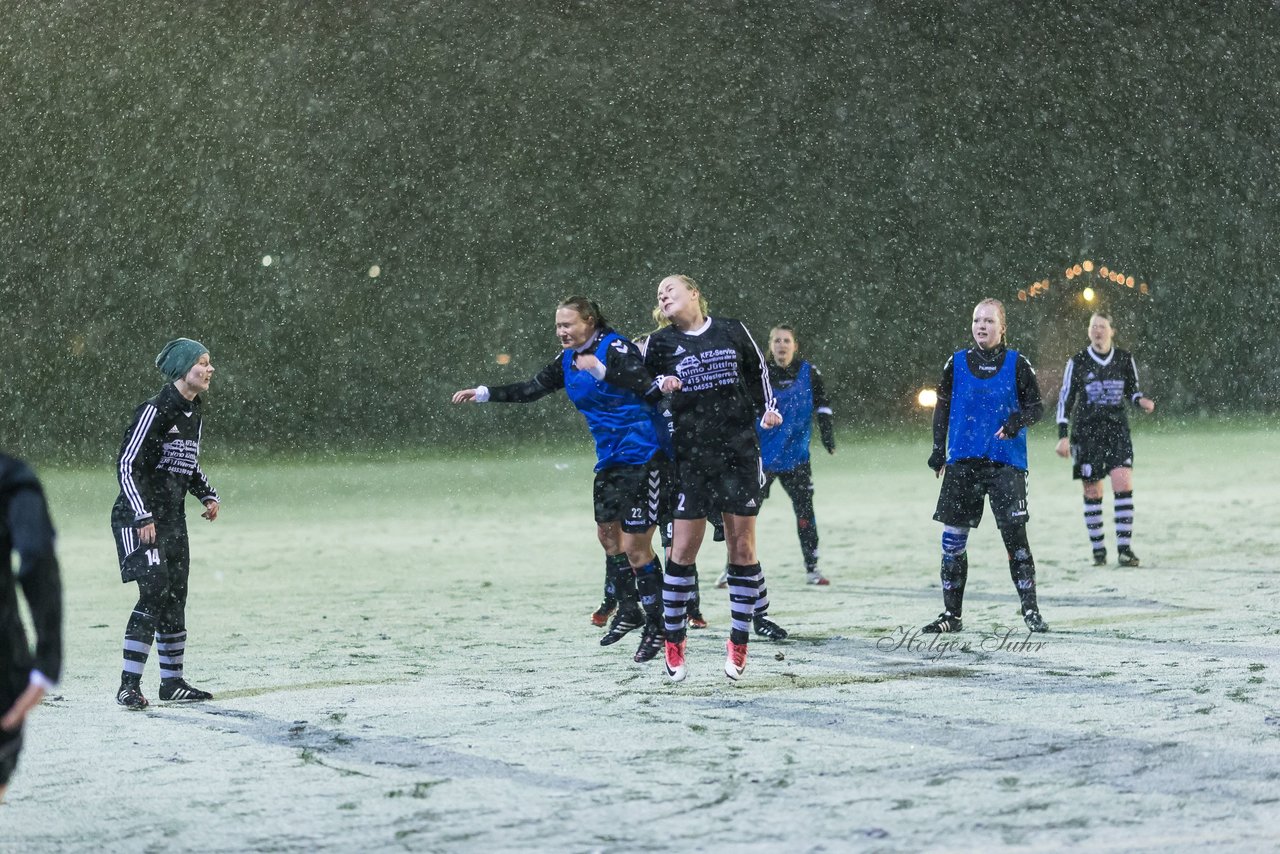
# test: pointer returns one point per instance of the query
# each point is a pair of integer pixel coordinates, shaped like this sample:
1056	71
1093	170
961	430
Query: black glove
1012	425
827	431
937	459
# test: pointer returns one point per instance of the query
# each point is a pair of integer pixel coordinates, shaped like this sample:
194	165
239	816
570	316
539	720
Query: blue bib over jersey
979	408
619	421
787	445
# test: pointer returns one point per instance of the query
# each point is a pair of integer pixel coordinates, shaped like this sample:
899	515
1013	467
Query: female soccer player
25	528
987	398
719	389
784	451
1097	383
604	377
157	466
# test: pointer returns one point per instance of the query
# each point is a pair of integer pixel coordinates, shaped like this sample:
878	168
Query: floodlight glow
928	398
1088	294
266	260
1088	266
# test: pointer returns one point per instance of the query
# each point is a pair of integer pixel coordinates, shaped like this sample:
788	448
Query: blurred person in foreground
987	398
719	389
1097	384
25	528
157	466
603	375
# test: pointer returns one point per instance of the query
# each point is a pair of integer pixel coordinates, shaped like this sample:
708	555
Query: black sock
649	589
1022	566
955	571
612	565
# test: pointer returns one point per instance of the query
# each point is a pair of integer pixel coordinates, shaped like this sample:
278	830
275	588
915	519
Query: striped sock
1093	523
677	588
137	645
170	649
744	593
1124	520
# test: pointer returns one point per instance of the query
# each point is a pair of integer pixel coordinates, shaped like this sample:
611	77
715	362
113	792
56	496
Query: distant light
1104	272
266	260
1022	295
928	398
1088	266
1142	288
1071	273
1128	281
1087	293
375	271
1078	269
503	358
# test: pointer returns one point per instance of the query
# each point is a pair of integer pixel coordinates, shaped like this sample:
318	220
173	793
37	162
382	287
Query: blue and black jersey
981	392
621	422
25	529
800	395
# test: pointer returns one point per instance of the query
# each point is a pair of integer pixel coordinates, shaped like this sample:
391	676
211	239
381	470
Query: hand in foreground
210	510
467	395
17	713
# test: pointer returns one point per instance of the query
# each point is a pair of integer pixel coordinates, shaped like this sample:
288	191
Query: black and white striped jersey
724	384
158	463
1095	389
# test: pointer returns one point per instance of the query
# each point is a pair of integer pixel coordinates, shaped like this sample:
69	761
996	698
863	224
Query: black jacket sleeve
32	532
942	418
624	367
755	376
1030	406
822	410
547	380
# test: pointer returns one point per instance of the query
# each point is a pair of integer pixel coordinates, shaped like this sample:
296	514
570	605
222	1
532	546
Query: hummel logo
679	350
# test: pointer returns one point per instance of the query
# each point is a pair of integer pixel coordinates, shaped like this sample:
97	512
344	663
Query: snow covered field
402	661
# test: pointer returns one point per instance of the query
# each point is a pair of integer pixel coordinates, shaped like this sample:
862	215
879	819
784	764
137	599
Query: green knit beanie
178	356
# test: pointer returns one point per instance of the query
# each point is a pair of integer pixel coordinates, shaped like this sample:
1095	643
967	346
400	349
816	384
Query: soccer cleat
600	617
723	581
1035	622
768	629
178	689
1099	557
946	622
814	577
650	645
736	660
130	696
674	660
623	622
1127	558
696	620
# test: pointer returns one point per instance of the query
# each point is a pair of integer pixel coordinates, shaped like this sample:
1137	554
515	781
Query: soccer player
604	377
157	466
987	398
719	388
1098	382
25	677
797	386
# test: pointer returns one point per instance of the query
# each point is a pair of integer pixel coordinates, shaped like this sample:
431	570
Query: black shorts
967	482
169	556
1094	456
730	482
631	495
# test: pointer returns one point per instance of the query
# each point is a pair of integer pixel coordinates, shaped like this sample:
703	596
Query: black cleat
178	689
768	629
623	622
946	622
1127	558
1099	557
1035	622
130	696
651	643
